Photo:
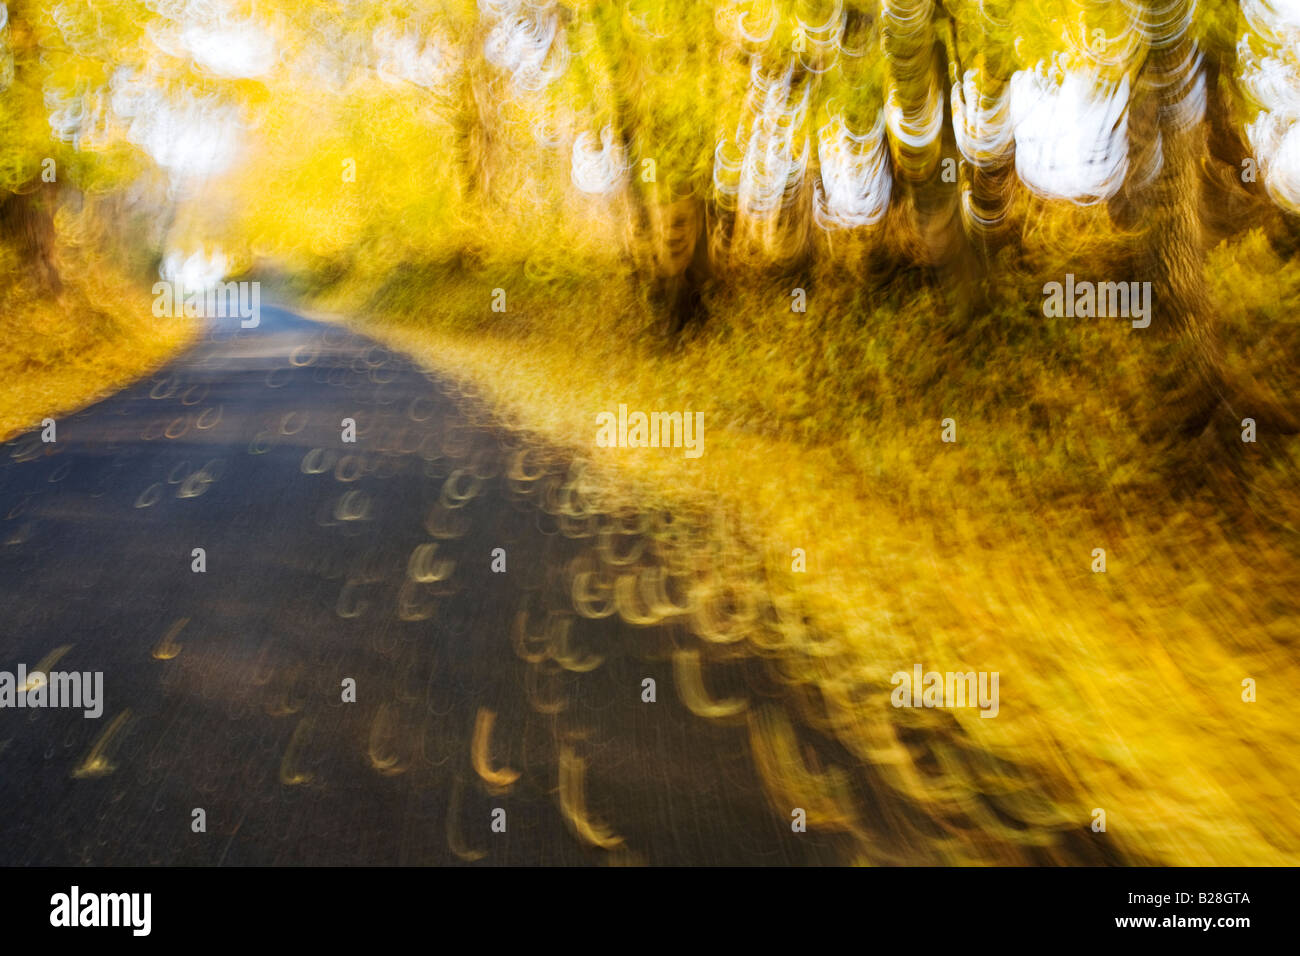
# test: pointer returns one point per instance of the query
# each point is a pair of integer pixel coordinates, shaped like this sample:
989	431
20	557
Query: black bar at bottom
332	906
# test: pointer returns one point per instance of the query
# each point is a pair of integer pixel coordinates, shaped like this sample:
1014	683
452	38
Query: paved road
476	690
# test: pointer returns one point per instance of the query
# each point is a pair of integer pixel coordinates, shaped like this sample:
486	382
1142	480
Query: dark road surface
475	690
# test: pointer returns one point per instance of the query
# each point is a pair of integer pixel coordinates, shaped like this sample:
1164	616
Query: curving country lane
325	561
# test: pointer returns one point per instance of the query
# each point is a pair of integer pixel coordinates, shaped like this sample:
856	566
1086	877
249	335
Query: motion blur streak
825	230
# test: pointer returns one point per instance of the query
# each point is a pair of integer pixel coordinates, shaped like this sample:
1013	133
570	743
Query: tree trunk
27	224
917	65
679	289
671	240
1200	410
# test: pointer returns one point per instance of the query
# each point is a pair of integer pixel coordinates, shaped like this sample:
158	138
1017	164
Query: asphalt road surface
326	561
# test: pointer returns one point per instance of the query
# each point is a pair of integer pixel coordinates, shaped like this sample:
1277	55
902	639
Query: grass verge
1120	691
62	351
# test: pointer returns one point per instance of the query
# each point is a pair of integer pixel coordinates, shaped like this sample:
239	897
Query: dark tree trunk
677	280
1200	409
1196	410
27	224
680	293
